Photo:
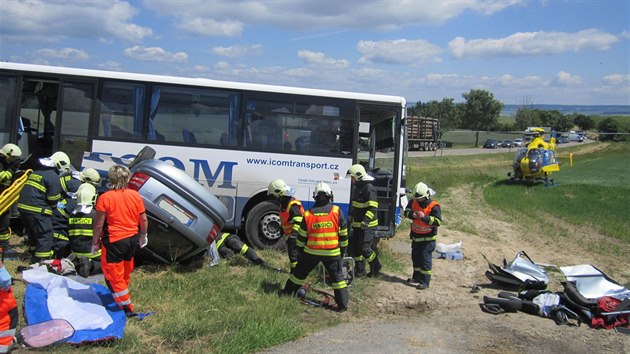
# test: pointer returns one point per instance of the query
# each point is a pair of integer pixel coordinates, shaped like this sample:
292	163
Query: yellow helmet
61	160
421	190
90	175
86	195
322	188
357	171
278	188
11	150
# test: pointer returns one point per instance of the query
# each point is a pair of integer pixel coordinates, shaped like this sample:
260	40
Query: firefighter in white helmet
364	217
38	197
322	237
10	155
291	214
426	217
80	231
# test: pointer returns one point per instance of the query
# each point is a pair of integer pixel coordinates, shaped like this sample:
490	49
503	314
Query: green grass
234	307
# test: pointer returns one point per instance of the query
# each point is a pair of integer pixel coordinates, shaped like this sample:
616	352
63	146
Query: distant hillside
612	110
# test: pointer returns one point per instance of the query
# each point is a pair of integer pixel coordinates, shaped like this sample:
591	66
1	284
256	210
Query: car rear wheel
263	226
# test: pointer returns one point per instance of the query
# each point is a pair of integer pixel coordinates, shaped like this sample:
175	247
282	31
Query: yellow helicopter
536	161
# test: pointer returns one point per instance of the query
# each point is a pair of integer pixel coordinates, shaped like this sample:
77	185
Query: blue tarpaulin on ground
36	311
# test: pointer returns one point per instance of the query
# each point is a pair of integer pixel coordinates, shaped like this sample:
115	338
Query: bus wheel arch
263	227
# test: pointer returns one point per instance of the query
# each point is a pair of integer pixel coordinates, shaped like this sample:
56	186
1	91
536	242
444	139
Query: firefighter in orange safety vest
426	217
291	215
322	237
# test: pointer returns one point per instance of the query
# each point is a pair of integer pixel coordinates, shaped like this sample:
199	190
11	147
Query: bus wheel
263	226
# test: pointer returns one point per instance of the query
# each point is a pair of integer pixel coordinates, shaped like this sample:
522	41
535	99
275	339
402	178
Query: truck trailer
423	133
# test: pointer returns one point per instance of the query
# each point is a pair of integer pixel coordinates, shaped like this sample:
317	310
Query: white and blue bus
233	138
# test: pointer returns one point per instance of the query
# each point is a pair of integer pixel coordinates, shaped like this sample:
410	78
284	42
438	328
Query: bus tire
263	226
147	153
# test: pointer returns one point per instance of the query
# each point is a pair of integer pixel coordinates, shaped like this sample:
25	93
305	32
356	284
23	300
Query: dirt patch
446	318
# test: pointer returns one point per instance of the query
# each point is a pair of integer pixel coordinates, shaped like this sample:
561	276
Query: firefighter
228	244
10	155
322	237
70	183
80	232
38	197
426	217
364	217
291	215
119	226
8	311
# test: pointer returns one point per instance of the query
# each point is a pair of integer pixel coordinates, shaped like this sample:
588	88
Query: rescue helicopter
536	161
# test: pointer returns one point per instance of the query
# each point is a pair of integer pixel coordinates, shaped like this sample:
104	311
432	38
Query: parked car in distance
562	140
491	144
576	137
507	144
518	142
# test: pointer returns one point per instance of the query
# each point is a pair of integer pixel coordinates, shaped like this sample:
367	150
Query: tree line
480	111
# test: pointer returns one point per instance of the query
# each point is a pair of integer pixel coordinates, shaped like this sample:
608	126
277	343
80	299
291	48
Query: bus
233	138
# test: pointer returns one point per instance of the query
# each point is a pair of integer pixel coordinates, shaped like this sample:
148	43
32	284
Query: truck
423	133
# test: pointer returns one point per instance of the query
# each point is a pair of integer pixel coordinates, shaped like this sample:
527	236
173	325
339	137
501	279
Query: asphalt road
474	151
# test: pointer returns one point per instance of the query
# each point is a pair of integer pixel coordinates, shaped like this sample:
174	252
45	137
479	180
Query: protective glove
5	279
95	248
144	240
419	215
364	226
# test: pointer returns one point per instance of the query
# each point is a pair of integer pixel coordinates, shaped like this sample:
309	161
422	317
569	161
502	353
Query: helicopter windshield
520	153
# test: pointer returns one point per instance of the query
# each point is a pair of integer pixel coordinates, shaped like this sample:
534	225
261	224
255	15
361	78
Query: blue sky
523	52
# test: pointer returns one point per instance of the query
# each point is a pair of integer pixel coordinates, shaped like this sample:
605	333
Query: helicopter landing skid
550	182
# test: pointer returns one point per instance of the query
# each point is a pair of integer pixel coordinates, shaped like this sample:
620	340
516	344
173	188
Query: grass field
234	307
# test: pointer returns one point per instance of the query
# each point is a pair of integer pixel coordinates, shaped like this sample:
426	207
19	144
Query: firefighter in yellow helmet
322	237
40	194
364	216
80	230
10	155
426	216
291	214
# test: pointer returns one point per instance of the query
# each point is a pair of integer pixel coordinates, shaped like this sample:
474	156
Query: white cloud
564	78
110	65
154	54
533	43
309	15
318	58
210	27
399	51
53	21
222	65
64	53
615	85
238	51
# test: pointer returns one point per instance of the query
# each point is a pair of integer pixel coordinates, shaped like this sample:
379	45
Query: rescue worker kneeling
228	244
80	231
322	237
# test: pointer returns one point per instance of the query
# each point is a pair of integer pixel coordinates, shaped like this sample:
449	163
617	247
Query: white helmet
90	175
11	150
61	160
421	190
358	172
278	188
86	195
322	188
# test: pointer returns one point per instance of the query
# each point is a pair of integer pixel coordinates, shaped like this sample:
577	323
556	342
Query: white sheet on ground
70	300
592	283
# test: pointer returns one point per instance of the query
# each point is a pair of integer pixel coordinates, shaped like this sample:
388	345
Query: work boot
422	286
359	269
341	298
415	279
375	268
290	288
84	267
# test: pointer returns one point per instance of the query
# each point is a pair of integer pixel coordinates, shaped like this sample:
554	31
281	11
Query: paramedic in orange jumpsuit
8	311
120	226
